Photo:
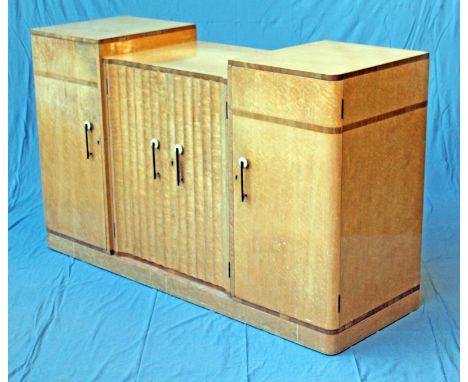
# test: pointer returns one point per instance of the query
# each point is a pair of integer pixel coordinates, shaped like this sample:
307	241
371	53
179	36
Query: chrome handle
88	126
179	150
154	146
243	163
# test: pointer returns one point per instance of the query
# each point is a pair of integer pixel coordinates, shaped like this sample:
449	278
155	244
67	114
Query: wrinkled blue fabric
69	321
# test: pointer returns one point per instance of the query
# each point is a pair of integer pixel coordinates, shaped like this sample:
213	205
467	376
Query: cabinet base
221	302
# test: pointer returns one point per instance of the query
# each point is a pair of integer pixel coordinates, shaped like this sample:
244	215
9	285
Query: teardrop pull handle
88	126
154	147
243	163
179	150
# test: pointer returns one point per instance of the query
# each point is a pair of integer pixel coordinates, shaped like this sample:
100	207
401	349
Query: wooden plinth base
221	302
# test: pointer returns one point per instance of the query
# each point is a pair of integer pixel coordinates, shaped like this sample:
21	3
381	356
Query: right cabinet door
286	227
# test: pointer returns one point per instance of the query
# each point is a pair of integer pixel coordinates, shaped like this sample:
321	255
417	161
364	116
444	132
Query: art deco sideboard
281	188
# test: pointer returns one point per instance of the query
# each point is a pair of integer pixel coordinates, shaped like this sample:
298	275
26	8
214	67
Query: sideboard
281	188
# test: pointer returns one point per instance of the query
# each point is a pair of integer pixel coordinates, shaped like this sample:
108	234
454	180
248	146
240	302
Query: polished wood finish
68	55
219	301
325	247
286	232
180	227
73	186
120	28
381	223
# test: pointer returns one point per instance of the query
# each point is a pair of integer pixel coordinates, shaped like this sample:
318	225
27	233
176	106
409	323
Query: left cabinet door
72	159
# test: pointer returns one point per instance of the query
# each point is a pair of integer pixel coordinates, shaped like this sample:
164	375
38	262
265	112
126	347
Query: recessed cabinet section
169	176
70	136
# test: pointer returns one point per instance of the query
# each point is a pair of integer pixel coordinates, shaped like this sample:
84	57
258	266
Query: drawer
286	98
65	59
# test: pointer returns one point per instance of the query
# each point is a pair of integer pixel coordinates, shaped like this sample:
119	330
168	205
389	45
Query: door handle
243	163
88	126
154	146
179	150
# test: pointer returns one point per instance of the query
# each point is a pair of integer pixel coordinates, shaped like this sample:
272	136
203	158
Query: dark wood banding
319	329
384	116
162	69
169	270
328	77
40	73
329	130
287	122
333	332
72	239
58	36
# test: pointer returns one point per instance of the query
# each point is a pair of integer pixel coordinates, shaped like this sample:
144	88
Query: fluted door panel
182	227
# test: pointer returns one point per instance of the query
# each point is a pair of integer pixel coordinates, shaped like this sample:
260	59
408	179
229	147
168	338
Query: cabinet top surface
108	28
326	59
205	58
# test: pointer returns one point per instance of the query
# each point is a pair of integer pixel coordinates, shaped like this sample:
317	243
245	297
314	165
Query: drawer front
65	59
286	97
183	227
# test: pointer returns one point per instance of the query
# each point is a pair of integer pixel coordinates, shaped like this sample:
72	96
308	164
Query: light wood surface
382	189
384	91
67	60
221	302
287	97
286	233
191	58
165	38
181	227
326	59
112	28
73	186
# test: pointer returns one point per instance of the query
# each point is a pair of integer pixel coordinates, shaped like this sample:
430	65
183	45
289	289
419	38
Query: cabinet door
286	228
182	225
72	180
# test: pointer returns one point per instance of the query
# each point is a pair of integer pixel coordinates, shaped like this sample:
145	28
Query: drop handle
243	163
88	126
179	150
154	147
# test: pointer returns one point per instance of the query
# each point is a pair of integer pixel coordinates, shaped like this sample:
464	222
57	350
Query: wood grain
119	28
382	196
328	60
181	227
73	186
219	301
66	59
286	233
139	43
284	96
384	91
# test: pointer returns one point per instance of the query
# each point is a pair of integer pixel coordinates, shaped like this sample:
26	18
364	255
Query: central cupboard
170	172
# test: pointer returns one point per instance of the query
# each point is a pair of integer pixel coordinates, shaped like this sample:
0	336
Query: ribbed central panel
181	227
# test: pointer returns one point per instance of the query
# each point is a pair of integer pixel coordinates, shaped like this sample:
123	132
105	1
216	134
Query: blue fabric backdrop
69	321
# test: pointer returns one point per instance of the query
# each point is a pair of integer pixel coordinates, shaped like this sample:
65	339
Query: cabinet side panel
385	91
382	198
64	59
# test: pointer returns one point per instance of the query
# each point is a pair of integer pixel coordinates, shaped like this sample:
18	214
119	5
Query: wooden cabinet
280	188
